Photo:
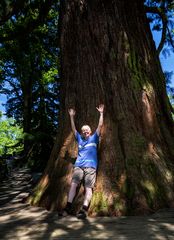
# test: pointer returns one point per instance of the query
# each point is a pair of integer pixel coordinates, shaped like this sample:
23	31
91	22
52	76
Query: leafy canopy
10	137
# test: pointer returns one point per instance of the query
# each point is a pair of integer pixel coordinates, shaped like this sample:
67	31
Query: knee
74	185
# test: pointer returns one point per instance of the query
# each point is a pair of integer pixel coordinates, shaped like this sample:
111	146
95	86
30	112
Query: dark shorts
86	174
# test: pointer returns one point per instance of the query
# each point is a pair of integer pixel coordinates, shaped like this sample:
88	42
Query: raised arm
100	123
72	113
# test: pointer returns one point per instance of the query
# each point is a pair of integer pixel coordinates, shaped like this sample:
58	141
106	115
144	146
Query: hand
100	108
72	112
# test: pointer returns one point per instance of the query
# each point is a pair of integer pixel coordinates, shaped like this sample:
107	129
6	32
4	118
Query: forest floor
19	221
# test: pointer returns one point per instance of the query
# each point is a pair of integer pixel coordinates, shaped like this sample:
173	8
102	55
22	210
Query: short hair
86	126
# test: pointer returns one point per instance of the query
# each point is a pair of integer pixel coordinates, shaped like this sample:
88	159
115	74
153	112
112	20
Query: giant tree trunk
108	56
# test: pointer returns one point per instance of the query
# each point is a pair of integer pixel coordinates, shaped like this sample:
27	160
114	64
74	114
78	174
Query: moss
150	187
138	77
112	54
134	162
35	198
119	205
153	187
133	68
137	144
152	193
137	141
99	203
128	189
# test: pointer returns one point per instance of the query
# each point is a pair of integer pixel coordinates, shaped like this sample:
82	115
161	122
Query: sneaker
65	212
82	214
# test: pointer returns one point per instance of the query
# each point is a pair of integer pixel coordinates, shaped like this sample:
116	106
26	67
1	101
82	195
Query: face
86	131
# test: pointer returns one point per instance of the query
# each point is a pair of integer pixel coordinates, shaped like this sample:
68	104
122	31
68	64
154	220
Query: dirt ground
19	221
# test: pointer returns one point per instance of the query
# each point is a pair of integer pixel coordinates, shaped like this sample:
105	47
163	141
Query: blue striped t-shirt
87	151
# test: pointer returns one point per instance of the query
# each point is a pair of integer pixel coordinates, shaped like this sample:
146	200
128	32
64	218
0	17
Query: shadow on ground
21	221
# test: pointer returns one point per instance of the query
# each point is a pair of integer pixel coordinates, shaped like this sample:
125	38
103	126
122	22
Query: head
86	131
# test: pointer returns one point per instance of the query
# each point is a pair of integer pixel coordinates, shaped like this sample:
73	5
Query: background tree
30	75
10	134
108	56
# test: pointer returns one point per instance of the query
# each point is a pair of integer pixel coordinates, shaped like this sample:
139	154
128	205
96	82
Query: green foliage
49	76
10	135
29	71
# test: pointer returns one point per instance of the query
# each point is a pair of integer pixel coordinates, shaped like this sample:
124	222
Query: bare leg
72	192
68	209
88	196
82	214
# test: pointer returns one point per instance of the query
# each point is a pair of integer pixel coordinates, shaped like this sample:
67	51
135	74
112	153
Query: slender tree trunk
27	92
108	56
26	82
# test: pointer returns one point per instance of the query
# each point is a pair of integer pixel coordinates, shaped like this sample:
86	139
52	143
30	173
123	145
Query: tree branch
161	13
163	36
15	89
170	37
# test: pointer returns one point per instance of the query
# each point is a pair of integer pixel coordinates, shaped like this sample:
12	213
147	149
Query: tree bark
108	56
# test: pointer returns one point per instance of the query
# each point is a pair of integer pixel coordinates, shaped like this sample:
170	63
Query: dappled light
122	180
21	221
148	108
151	150
68	63
44	181
169	176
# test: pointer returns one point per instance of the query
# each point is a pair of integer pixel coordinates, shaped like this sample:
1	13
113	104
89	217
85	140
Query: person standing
86	163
